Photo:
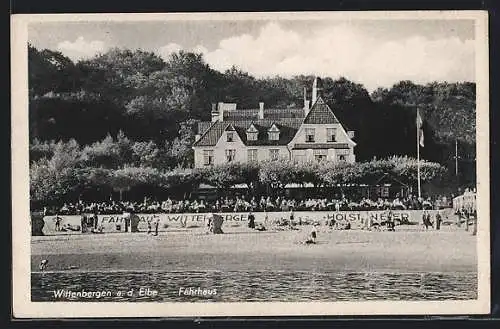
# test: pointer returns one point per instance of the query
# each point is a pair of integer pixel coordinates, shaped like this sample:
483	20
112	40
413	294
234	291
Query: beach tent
216	224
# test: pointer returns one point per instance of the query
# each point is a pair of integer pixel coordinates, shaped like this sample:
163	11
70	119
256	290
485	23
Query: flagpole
418	158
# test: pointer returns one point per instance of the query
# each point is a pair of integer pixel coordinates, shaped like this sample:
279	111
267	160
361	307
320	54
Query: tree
125	178
105	153
50	71
277	174
116	74
55	179
146	154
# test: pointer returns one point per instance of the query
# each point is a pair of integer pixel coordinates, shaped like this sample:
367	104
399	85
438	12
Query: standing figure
251	220
157	223
83	223
390	222
58	223
438	220
424	219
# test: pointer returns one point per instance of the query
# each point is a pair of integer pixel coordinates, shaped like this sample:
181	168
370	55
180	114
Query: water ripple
246	286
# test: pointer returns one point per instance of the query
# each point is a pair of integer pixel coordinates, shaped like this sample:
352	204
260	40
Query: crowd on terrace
243	204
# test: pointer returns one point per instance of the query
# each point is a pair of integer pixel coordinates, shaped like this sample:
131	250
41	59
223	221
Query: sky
375	53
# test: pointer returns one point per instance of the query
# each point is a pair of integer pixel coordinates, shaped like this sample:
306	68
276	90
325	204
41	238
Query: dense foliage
133	108
68	171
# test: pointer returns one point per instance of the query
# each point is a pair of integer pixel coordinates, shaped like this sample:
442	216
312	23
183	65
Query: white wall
320	137
222	145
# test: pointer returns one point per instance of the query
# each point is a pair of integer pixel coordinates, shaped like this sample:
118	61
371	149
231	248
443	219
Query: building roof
203	126
288	121
212	134
305	146
287	128
269	113
320	113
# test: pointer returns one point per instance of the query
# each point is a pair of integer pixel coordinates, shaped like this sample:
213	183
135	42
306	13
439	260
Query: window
274	154
230	155
342	154
319	155
299	155
274	136
230	136
252	133
274	133
208	157
252	136
310	135
331	134
252	155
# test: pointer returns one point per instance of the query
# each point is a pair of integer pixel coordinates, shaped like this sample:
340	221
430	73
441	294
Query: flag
420	129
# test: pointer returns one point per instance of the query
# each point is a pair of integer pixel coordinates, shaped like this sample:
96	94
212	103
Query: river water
248	286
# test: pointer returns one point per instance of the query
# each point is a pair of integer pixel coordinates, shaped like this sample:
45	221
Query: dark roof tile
320	113
288	128
203	126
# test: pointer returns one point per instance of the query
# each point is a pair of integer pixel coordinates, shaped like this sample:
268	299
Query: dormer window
273	133
252	133
252	136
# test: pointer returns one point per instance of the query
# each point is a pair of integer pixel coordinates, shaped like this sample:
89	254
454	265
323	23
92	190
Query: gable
212	134
320	113
252	129
274	128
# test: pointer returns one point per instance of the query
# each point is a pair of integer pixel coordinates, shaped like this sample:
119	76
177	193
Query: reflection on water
241	286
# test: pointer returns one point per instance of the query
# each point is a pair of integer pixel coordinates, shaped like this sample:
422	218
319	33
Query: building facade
311	133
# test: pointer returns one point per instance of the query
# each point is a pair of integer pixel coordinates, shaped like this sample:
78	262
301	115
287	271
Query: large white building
253	135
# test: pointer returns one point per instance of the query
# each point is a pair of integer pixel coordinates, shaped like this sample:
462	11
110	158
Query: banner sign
141	222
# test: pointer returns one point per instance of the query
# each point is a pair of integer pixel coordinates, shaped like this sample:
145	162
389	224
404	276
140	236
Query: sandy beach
409	249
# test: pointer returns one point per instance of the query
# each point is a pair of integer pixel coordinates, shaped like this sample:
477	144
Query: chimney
215	113
261	110
220	106
315	90
305	99
306	107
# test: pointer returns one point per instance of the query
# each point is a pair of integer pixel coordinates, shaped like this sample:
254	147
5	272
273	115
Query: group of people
245	204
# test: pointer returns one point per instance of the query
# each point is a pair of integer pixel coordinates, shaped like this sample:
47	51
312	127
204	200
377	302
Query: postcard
250	164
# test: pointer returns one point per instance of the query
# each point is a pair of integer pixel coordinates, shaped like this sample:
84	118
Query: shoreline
241	249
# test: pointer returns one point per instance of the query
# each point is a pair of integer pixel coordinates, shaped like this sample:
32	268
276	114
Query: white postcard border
21	278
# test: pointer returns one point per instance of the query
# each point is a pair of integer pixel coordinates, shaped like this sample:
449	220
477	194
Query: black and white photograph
215	164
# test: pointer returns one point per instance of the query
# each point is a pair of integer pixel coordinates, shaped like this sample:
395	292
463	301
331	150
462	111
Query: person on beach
83	223
390	222
251	220
157	223
96	221
43	264
426	218
312	236
58	223
438	220
149	225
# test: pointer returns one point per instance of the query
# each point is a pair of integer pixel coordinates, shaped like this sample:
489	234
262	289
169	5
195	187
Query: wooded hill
157	103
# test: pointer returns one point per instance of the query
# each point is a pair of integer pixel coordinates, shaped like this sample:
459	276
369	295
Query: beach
408	250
